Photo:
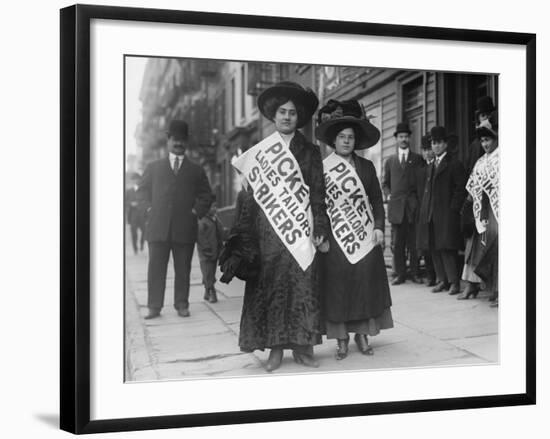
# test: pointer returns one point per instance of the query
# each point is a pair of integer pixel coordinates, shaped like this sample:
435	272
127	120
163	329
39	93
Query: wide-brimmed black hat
336	114
178	129
439	133
402	127
426	142
296	93
485	105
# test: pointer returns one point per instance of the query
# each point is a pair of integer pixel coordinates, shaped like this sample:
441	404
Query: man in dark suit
439	219
428	157
177	192
400	185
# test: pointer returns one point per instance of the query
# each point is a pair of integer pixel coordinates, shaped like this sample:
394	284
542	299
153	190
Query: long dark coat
401	183
172	198
281	307
421	177
357	291
444	194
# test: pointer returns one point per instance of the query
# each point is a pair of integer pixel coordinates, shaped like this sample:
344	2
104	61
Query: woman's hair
334	130
272	104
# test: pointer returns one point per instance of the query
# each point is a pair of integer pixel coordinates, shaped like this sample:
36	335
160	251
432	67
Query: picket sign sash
484	178
348	208
274	175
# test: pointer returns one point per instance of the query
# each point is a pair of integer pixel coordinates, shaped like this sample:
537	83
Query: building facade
218	100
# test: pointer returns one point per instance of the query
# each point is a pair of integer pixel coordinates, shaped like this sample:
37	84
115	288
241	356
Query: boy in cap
209	245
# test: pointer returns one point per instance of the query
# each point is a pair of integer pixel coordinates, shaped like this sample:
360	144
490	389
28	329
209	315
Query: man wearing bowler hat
439	219
400	185
176	192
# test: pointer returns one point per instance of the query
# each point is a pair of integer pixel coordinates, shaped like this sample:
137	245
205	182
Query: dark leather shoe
206	294
472	289
363	344
153	314
441	286
398	280
213	296
305	359
417	280
342	348
455	289
430	282
183	312
274	360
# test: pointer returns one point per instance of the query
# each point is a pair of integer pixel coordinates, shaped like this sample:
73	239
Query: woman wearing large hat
355	292
481	254
485	108
281	308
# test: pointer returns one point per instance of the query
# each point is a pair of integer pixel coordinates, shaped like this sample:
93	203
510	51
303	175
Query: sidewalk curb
140	364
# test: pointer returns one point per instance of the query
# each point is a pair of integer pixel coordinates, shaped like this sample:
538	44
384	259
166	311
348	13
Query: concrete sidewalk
430	330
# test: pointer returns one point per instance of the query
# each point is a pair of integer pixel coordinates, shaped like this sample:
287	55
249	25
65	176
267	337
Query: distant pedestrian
177	192
355	291
439	219
428	157
209	245
400	186
135	213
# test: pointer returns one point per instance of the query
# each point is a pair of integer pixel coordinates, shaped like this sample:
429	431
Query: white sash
279	188
348	208
484	178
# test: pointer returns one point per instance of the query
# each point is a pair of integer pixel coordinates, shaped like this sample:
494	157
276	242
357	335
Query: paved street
430	330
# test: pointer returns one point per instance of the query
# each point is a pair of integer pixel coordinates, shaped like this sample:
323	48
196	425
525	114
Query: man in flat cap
400	183
439	219
177	192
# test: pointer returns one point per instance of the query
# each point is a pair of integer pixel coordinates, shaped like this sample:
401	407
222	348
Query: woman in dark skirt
281	308
481	256
356	296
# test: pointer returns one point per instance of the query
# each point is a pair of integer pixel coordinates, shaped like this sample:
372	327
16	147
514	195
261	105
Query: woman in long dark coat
481	257
356	297
281	308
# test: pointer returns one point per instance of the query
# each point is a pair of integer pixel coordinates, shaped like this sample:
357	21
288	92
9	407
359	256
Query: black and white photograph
275	219
285	218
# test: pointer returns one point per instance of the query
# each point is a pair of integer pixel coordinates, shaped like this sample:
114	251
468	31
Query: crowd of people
438	207
308	235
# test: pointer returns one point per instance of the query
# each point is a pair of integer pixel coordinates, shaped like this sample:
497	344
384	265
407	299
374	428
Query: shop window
413	109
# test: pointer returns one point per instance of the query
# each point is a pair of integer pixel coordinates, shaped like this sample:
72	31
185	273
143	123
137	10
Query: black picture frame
75	217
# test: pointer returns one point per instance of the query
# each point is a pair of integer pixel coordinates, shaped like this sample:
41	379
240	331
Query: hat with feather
338	115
